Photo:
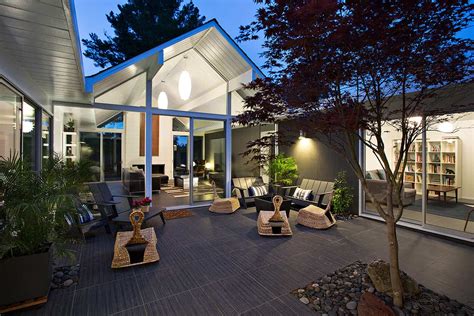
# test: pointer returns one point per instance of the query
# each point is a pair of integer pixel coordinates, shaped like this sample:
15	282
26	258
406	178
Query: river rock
371	305
379	273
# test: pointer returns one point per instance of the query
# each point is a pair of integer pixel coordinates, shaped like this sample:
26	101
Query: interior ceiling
37	37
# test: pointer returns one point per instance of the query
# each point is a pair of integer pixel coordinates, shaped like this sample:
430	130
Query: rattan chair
315	217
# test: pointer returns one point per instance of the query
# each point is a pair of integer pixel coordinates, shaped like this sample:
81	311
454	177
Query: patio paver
219	265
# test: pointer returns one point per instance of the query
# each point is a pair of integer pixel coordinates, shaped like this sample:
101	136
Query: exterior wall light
302	135
163	100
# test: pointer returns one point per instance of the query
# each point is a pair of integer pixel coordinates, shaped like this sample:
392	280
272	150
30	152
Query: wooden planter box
25	278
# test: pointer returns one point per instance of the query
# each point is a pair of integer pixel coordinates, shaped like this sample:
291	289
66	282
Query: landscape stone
68	282
304	300
379	273
371	305
351	305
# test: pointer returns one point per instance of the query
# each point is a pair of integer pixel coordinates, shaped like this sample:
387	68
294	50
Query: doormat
177	214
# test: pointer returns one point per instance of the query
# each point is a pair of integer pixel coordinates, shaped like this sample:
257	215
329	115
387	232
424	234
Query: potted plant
282	171
69	126
32	224
343	196
143	204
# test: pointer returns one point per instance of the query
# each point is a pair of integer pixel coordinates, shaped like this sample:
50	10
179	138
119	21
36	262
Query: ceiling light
446	127
184	85
302	135
28	126
162	100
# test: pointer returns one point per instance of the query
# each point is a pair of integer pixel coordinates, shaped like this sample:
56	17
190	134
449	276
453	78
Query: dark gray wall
317	160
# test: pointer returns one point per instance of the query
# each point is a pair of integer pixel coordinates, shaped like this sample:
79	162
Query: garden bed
339	293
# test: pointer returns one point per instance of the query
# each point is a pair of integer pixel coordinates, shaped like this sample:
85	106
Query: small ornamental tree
341	67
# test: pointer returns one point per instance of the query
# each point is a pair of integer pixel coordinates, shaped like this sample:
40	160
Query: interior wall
132	142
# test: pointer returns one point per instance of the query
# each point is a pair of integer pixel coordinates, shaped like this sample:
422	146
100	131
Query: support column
424	179
148	139
190	161
228	146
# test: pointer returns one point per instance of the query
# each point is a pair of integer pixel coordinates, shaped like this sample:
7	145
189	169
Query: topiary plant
343	195
282	170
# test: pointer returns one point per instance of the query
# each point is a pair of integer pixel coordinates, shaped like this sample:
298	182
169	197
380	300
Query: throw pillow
258	190
85	215
302	194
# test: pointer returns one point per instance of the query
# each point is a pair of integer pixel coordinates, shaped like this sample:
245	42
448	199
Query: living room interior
449	187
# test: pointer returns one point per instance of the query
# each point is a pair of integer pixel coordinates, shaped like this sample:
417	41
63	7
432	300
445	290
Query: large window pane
46	136
450	186
376	179
209	159
10	103
29	131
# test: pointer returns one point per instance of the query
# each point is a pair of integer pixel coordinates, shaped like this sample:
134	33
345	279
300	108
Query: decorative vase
146	208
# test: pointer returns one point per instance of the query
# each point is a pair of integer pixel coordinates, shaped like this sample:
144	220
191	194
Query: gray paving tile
107	298
279	278
243	292
135	311
165	282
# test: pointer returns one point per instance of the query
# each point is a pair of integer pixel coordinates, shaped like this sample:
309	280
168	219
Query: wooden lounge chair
315	217
104	198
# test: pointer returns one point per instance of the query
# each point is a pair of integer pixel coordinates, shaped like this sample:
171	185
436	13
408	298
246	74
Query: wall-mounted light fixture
302	135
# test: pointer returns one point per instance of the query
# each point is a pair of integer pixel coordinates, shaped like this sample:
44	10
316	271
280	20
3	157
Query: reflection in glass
90	150
10	123
28	131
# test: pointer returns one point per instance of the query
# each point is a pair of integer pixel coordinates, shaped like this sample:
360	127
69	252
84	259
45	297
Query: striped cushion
85	215
302	194
258	190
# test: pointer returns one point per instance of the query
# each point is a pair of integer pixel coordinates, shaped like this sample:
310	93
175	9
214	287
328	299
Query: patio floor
218	265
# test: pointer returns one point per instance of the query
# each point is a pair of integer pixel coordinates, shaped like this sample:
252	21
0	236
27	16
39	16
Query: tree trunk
397	287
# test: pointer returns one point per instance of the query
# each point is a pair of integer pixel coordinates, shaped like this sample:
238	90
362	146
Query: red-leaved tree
341	67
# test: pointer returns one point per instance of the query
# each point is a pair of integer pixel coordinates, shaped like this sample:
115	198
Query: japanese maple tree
341	67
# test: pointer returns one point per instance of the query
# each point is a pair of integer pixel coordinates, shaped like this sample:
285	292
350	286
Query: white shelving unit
443	164
70	146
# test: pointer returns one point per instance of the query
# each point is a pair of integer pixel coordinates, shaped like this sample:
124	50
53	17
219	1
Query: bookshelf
443	163
70	146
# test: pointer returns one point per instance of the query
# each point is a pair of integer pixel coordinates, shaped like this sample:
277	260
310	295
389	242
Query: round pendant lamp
184	85
163	100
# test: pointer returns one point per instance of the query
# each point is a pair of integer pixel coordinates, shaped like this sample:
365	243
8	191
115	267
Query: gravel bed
339	293
64	277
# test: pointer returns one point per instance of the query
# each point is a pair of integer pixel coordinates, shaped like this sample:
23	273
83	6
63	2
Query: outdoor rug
177	214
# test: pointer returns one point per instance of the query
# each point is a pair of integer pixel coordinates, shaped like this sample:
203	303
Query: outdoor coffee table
442	189
123	220
265	229
264	203
121	256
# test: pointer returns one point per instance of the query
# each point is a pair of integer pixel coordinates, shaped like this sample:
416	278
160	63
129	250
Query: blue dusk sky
229	13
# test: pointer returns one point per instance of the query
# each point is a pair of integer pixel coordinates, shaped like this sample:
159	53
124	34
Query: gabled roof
40	50
209	40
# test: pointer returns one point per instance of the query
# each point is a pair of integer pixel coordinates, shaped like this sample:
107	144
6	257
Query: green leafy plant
282	170
343	195
32	217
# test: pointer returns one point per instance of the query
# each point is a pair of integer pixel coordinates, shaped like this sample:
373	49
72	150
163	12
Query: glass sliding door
209	163
10	121
90	146
28	134
46	145
112	156
450	185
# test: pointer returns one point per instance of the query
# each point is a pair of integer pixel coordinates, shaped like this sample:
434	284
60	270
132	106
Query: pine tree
139	26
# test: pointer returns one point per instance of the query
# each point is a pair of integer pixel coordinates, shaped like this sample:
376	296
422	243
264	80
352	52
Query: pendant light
184	84
163	98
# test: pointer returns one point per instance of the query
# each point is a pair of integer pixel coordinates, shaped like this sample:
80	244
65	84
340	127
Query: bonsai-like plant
69	126
282	170
343	195
32	217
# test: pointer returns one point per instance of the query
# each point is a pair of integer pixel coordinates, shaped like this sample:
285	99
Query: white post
424	179
148	139
190	161
228	146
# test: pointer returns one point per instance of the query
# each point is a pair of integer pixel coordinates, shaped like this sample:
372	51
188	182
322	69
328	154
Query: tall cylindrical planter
25	278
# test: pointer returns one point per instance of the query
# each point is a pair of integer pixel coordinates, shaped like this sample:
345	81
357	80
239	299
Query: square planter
24	278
